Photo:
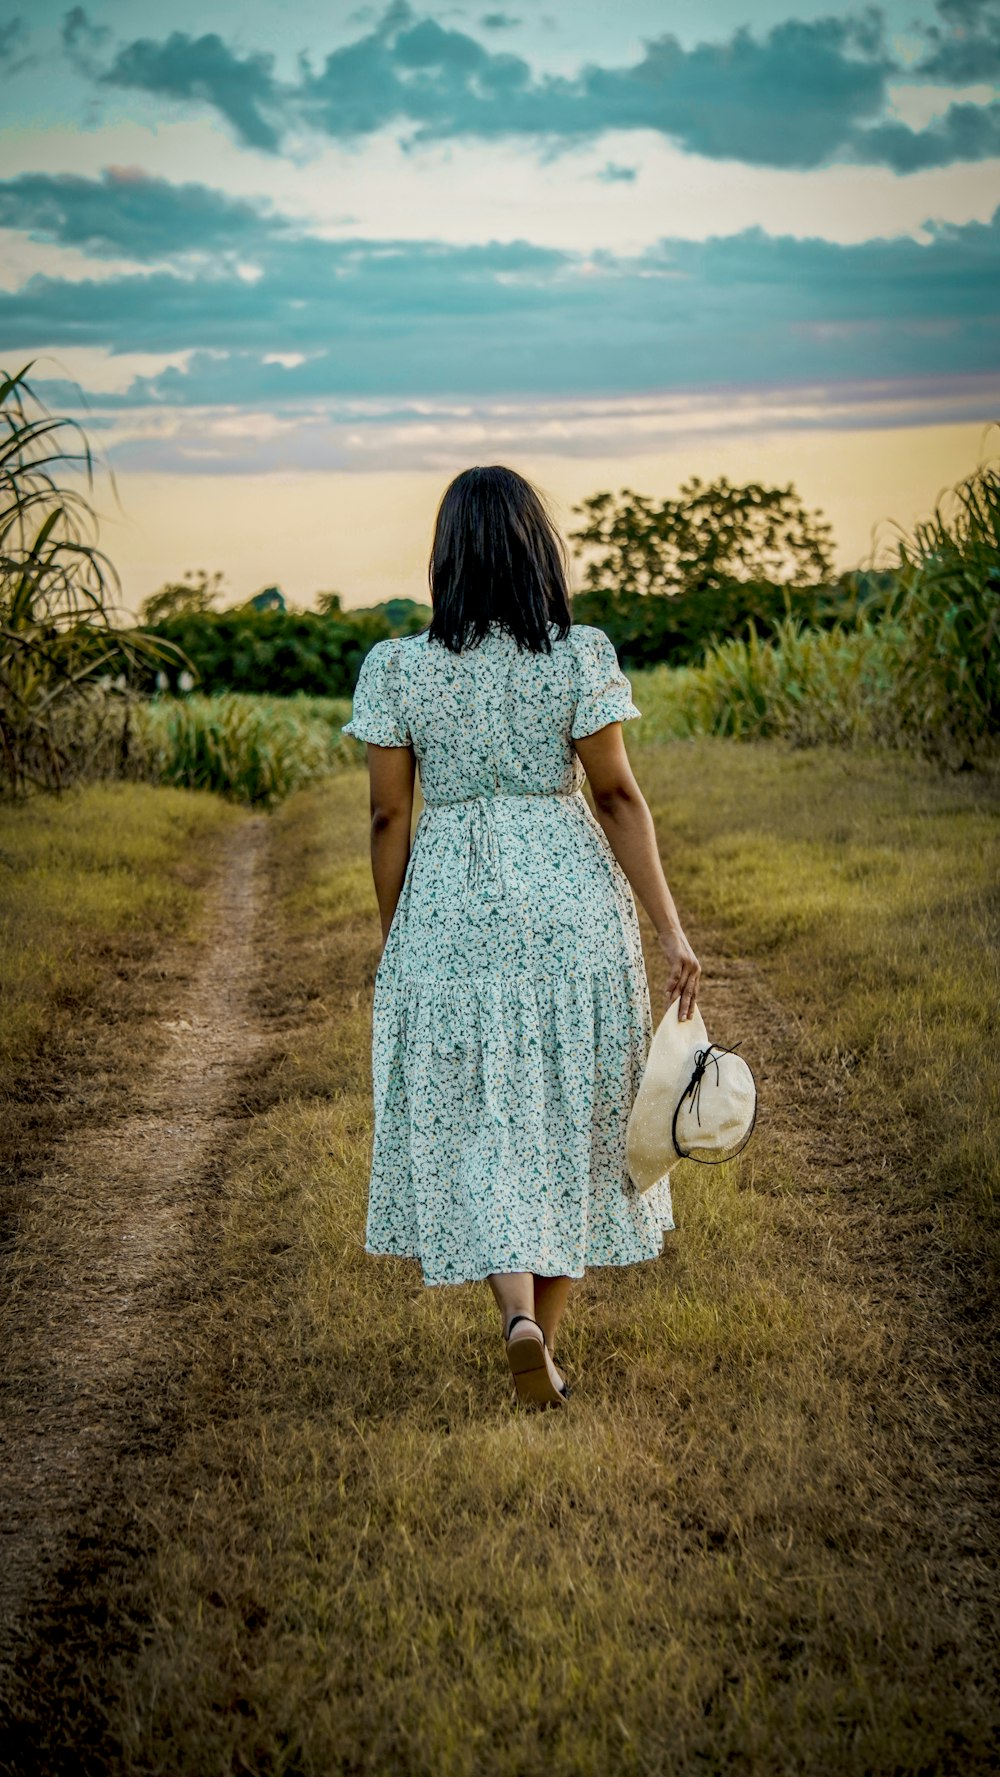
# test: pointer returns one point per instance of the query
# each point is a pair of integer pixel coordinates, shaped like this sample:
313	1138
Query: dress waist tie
484	875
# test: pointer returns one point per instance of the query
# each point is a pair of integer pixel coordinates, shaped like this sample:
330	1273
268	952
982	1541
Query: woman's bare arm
391	775
624	814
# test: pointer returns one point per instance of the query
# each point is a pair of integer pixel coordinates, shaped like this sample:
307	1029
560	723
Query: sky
296	267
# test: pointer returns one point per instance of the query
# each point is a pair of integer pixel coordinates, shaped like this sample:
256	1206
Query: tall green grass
58	631
946	673
805	686
253	749
250	749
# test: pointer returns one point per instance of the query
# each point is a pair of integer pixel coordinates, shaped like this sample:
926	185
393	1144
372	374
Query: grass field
100	866
867	885
755	1541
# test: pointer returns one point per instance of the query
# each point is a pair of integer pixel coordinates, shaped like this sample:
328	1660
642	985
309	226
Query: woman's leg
551	1296
515	1294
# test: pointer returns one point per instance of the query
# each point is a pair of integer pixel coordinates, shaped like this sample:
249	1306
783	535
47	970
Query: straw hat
696	1101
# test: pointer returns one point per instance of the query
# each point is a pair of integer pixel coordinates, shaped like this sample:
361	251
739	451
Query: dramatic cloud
358	434
203	68
803	95
788	100
412	318
966	49
127	215
220	330
311	296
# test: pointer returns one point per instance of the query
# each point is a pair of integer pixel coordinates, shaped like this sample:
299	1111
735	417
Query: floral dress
511	1016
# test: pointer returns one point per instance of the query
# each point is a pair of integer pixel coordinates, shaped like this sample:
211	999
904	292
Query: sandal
563	1386
529	1367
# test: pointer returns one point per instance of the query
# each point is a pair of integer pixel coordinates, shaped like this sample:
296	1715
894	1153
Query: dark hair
496	558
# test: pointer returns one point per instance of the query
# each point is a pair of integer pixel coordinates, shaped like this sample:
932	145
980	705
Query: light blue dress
511	1016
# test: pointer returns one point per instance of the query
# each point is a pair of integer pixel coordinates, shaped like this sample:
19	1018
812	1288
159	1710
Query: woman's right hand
685	970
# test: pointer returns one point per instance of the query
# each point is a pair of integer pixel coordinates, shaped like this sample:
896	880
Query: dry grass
77	874
870	889
755	1541
92	885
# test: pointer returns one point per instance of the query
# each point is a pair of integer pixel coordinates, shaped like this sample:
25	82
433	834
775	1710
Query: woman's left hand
685	970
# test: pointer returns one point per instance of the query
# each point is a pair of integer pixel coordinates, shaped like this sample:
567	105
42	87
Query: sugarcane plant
948	610
65	666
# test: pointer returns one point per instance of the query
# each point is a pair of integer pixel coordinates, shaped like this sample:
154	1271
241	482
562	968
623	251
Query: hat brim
649	1149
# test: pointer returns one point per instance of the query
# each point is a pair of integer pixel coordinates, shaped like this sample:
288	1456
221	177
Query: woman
511	1015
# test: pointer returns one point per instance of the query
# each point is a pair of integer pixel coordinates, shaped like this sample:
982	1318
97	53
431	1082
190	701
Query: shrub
273	653
649	627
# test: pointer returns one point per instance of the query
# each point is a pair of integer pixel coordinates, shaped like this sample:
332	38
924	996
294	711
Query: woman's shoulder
576	633
588	639
397	647
581	639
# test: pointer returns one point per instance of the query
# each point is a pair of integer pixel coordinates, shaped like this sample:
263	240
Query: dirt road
103	1261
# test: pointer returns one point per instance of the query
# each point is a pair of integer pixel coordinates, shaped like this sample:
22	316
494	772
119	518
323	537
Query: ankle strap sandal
528	1366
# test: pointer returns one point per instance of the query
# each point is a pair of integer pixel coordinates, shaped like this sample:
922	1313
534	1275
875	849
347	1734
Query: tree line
665	579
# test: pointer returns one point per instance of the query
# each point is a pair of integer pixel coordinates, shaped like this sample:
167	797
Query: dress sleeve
377	715
604	694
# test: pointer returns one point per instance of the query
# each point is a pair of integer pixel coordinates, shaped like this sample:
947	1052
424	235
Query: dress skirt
510	1026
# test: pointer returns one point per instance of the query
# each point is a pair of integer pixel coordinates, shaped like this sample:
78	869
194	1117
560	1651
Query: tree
190	597
708	537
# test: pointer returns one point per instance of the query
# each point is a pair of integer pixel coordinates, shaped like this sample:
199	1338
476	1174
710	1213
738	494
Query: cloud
243	88
966	47
362	434
611	173
79	34
13	44
128	215
966	132
311	297
498	21
787	100
397	14
802	95
410	319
